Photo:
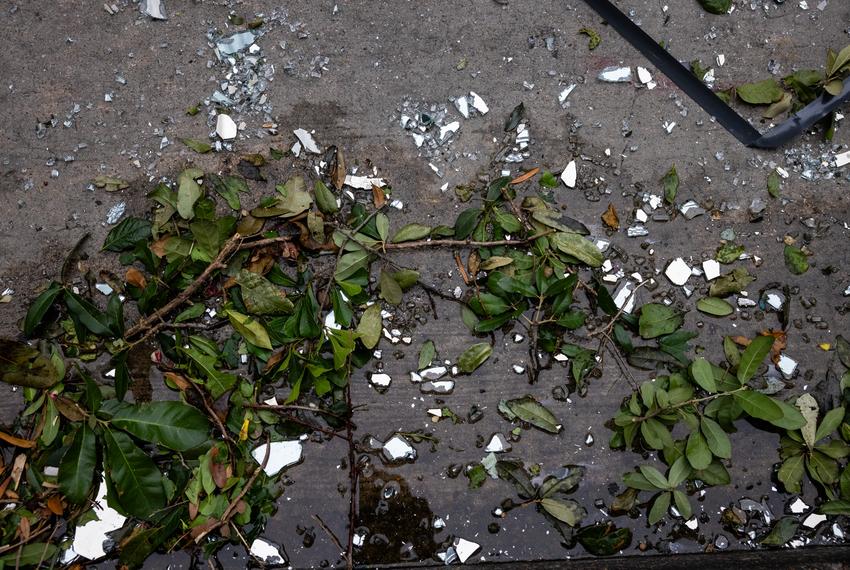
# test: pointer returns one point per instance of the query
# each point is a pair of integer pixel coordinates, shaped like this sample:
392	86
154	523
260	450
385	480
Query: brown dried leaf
178	380
338	174
610	218
193	511
24	529
378	197
461	269
54	503
16	441
526	176
474	262
69	409
135	278
158	247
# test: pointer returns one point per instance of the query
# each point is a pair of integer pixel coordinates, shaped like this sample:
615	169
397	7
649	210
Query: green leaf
217	382
791	417
126	234
261	296
548	180
595	38
679	471
33	554
531	411
841	61
390	289
369	327
411	232
757	405
135	478
604	539
790	473
22	365
477	476
836	507
656	320
683	505
760	93
670	184
654	476
774	183
729	253
703	374
718	7
76	470
795	260
566	511
87	314
697	451
715	307
250	328
188	192
782	532
427	354
753	356
325	198
382	225
351	263
717	440
474	356
579	247
830	422
174	425
192	312
466	222
809	408
638	481
201	147
659	508
228	187
39	308
733	282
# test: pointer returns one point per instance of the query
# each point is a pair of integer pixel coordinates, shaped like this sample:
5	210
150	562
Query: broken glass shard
281	455
616	74
678	272
478	103
235	43
498	444
397	448
569	175
89	538
266	552
153	8
225	128
307	141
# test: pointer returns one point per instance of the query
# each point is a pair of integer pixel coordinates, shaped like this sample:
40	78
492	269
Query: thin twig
464	243
212	413
610	326
144	326
348	237
322	524
263	242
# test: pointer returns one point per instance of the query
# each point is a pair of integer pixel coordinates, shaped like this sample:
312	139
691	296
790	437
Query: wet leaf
22	365
515	118
610	218
733	282
136	480
533	412
753	356
774	183
842	349
729	253
39	308
604	539
703	374
656	320
325	199
760	93
791	473
659	508
192	312
32	554
758	405
579	247
477	476
719	7
795	260
229	188
466	222
670	185
717	440
261	296
369	327
835	507
715	307
126	234
427	354
783	531
782	106
188	192
697	451
514	473
411	232
174	425
831	421
250	328
808	407
201	147
76	470
566	511
390	289
474	356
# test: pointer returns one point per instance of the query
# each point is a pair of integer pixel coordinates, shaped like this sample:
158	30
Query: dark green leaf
703	373
466	222
39	307
656	320
188	192
566	511
427	354
192	312
659	508
87	314
261	296
753	356
76	470
604	539
325	198
33	554
515	117
715	307
201	147
531	411
411	232
717	440
757	405
774	183
135	478
782	532
697	451
733	282
174	425
719	7
369	327
125	235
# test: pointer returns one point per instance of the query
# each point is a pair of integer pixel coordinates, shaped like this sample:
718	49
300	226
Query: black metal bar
694	88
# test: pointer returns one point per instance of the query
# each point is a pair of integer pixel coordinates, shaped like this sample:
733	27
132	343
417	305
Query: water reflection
392	524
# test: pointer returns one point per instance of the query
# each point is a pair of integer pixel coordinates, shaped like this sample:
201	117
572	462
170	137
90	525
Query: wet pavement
118	86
